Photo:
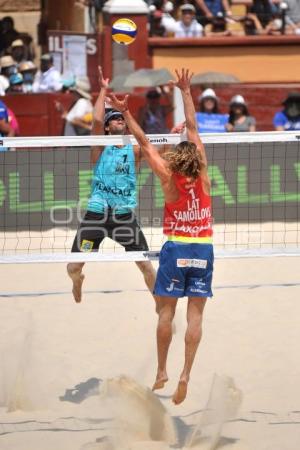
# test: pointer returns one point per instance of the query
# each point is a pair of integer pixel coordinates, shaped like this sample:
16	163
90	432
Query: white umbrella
214	78
148	78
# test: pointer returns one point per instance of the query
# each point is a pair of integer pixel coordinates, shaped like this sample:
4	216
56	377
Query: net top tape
39	258
156	139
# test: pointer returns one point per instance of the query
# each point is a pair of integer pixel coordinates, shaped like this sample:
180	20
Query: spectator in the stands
209	119
4	84
15	84
269	14
217	26
251	25
239	117
48	78
293	12
8	66
5	128
211	8
161	15
263	10
28	70
18	51
156	27
187	26
13	122
289	118
9	34
78	120
272	25
152	116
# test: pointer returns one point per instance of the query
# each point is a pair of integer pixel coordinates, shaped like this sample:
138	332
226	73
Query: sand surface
56	358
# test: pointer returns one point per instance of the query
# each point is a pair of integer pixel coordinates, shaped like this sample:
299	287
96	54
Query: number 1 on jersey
191	191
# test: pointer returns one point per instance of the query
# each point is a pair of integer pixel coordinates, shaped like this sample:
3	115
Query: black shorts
121	228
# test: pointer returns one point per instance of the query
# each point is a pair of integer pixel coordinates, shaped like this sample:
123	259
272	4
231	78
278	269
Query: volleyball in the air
124	31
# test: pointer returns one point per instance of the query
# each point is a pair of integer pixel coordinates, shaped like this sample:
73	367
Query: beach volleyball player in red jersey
186	259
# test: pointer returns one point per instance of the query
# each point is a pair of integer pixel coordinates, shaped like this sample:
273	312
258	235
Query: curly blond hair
185	159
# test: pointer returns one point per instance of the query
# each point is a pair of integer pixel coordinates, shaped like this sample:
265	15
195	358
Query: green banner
40	189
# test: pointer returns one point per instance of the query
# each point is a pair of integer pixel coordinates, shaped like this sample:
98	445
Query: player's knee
73	268
195	322
166	314
165	322
192	337
146	268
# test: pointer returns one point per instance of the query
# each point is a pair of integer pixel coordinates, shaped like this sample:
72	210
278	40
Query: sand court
56	358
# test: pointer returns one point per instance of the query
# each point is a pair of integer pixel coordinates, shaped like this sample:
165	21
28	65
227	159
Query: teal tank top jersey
114	181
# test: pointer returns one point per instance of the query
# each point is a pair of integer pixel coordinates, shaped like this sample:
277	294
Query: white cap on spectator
26	65
208	93
187	7
7	61
17	43
238	100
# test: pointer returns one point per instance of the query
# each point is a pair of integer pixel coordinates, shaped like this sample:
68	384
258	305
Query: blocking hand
183	80
118	104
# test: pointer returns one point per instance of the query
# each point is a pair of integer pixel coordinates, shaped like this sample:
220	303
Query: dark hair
218	24
249	26
185	159
262	8
9	20
153	94
232	113
215	109
157	3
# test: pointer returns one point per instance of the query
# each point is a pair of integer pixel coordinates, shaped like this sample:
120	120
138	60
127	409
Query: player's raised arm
155	161
99	112
184	84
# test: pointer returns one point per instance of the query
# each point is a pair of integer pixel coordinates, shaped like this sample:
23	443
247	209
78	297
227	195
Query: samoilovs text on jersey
191	216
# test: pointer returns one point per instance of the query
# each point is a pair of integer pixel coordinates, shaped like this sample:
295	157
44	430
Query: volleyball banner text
42	188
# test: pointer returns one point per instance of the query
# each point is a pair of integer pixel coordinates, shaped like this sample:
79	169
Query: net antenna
46	181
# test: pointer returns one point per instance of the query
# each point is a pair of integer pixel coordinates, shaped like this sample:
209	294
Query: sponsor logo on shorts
86	246
197	263
200	291
172	286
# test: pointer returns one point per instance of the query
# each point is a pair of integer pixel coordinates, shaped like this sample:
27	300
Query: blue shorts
185	270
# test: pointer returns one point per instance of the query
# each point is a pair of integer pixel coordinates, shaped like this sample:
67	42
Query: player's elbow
191	126
147	149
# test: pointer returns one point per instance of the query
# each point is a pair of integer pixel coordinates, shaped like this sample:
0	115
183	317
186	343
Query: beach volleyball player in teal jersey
110	211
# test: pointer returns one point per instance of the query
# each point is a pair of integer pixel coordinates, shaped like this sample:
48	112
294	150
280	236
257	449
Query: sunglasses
117	118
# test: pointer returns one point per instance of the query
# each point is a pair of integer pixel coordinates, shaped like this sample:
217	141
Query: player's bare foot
180	393
160	382
77	278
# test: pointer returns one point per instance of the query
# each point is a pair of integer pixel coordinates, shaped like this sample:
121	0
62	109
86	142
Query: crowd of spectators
198	18
152	117
17	54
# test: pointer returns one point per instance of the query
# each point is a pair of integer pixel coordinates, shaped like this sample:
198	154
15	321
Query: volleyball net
45	184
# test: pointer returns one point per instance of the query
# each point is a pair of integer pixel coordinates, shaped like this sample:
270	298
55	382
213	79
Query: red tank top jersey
190	215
